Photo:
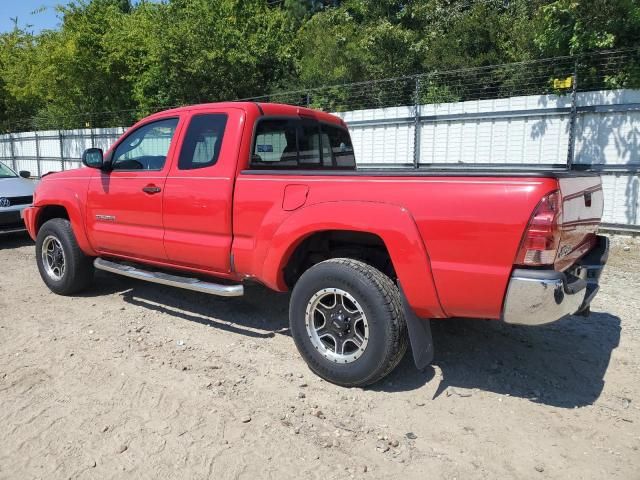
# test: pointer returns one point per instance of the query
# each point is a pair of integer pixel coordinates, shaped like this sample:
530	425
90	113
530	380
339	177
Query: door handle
151	189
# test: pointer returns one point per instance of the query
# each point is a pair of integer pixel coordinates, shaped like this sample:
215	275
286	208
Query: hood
16	187
81	172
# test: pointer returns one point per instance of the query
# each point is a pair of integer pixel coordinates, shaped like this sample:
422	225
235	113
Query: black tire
379	299
78	268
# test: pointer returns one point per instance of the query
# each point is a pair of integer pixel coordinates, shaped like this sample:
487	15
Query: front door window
146	148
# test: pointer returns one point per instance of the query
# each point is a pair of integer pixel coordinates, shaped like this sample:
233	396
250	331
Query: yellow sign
560	83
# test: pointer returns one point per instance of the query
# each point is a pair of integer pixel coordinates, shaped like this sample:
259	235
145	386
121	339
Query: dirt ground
134	380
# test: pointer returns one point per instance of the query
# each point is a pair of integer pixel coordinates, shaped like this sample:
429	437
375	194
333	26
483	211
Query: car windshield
6	172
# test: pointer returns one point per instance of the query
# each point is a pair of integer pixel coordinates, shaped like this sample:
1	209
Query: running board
168	279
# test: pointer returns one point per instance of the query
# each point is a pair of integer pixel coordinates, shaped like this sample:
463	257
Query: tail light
541	238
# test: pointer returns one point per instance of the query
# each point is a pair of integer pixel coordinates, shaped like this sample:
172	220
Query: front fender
393	224
54	194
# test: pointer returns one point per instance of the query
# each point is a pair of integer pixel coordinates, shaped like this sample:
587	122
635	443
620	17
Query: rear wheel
64	268
347	322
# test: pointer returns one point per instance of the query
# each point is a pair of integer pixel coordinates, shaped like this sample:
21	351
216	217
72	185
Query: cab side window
337	148
146	148
309	145
275	144
202	143
294	143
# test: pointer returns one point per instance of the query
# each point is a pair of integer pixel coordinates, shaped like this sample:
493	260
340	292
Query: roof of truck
271	109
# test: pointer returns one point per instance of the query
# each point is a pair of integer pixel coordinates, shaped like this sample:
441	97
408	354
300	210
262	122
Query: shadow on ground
260	313
15	240
561	364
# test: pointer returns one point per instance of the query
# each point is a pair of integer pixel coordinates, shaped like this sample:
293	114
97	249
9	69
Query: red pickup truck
208	197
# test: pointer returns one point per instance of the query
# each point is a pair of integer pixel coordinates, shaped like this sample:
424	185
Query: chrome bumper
536	297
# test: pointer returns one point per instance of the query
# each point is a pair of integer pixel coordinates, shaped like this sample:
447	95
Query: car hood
74	173
16	187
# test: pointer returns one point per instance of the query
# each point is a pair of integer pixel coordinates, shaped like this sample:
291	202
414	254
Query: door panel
124	206
199	191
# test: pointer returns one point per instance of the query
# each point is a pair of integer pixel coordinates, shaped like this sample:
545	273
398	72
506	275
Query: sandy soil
133	380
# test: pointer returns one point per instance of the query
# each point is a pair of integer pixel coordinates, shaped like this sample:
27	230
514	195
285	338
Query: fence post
308	99
38	166
12	148
416	125
573	117
61	140
92	134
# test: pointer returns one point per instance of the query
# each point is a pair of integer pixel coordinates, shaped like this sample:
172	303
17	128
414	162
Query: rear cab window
301	143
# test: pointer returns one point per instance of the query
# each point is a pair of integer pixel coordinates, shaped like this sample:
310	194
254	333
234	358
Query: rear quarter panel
470	228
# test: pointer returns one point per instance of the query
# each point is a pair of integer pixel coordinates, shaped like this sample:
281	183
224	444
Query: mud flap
419	335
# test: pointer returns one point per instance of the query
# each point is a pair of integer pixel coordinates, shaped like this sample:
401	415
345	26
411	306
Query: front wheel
64	268
347	322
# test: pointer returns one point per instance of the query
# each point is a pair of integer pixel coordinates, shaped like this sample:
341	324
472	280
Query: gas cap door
294	196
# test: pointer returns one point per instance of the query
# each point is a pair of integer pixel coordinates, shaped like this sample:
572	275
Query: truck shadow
561	364
261	313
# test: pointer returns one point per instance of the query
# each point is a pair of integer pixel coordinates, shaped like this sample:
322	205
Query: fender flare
70	201
392	223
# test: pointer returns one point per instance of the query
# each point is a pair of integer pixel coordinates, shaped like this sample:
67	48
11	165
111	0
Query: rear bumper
536	297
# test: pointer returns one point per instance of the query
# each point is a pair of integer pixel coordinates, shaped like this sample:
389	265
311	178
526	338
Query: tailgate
582	205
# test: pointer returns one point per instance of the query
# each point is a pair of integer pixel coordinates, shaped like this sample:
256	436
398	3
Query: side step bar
168	279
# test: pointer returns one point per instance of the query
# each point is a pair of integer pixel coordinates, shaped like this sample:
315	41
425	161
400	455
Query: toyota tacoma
209	197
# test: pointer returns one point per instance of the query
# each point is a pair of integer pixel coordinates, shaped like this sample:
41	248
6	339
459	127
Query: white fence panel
29	165
518	131
621	199
24	144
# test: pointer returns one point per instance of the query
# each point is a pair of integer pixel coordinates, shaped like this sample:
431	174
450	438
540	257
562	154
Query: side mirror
25	173
92	158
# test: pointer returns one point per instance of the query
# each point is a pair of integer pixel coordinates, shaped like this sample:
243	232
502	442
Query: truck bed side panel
471	226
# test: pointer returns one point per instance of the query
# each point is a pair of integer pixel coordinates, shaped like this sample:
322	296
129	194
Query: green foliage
131	58
569	27
17	102
190	51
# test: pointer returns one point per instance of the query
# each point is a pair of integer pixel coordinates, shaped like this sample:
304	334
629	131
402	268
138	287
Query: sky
39	14
23	9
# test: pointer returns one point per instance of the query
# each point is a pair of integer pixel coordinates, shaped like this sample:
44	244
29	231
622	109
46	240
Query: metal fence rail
581	136
46	151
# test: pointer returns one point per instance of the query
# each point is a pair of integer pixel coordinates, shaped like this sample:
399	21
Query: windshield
6	172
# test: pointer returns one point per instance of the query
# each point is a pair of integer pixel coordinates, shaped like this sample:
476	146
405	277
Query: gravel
212	389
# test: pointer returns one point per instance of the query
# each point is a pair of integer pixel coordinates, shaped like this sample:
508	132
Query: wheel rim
53	257
337	326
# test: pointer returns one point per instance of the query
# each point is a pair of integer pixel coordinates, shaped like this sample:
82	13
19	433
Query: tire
367	293
76	271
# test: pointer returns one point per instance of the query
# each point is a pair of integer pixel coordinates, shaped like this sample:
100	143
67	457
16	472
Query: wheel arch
326	244
49	212
389	228
68	209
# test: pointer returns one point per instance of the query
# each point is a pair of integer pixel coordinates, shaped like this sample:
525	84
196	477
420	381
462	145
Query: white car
16	193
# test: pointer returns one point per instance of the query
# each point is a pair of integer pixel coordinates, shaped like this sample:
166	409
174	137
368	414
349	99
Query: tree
131	58
18	102
65	74
365	39
570	27
189	51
